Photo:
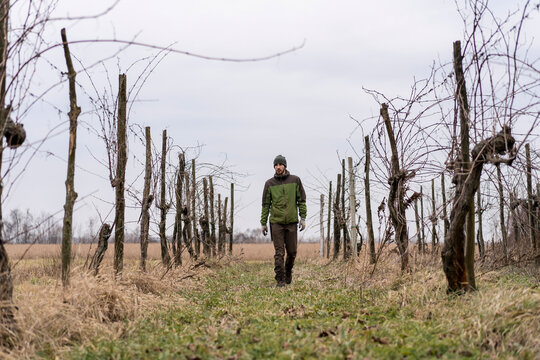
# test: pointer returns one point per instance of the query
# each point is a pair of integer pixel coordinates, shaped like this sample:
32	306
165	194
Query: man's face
280	169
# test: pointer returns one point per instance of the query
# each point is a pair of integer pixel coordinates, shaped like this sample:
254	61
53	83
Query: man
284	199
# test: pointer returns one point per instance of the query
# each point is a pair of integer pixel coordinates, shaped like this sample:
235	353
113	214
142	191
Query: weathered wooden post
196	239
177	237
221	234
369	221
224	225
205	226
231	230
163	206
433	218
513	212
480	234
352	208
445	214
422	244
337	219
343	219
328	222
146	200
417	221
71	195
537	228
187	234
212	218
321	220
530	200
120	180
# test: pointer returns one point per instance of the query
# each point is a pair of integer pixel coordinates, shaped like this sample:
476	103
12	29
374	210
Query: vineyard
231	309
424	240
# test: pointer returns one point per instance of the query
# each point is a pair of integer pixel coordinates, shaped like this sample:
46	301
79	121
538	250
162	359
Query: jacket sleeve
301	200
266	203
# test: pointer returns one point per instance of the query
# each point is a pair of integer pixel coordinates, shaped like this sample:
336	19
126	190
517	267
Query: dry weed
51	317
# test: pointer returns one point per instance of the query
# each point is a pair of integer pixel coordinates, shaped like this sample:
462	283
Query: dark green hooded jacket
284	198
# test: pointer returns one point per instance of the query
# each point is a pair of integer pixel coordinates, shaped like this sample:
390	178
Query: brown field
249	252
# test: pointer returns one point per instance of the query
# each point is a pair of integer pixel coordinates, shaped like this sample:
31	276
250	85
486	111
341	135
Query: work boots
279	280
288	276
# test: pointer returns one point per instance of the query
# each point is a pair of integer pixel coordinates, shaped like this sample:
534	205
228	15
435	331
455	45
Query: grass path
238	313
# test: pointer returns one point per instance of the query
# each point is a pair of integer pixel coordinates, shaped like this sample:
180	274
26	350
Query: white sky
297	105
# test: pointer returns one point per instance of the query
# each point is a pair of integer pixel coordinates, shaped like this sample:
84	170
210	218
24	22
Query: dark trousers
284	238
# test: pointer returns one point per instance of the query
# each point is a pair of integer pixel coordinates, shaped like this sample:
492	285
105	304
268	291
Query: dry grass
249	252
497	317
53	318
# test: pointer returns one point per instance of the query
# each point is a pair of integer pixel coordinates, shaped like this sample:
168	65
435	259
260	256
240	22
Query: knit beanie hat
280	159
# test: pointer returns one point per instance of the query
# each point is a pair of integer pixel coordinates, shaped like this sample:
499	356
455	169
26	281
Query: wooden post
204	221
417	221
177	238
120	180
537	228
537	212
225	230
352	208
367	192
343	212
146	200
337	219
165	257
422	243
480	234
231	230
328	222
445	214
71	195
212	218
321	218
187	234
193	210
530	200
433	218
513	210
221	234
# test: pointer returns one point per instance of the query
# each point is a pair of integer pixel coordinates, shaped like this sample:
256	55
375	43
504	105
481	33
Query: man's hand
302	224
264	230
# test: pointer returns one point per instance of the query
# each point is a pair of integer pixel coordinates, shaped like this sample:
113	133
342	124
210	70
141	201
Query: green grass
237	313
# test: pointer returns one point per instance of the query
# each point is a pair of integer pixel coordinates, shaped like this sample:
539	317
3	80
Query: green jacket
284	198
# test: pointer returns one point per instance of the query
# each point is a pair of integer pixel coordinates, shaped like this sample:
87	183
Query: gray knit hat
280	159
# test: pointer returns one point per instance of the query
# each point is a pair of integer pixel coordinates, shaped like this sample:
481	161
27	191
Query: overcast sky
298	105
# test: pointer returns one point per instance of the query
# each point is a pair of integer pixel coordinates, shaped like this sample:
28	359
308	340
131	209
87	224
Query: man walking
284	199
